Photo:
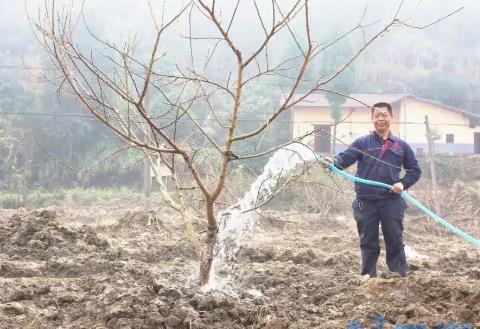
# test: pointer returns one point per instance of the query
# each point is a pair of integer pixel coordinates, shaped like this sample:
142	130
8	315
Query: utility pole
334	139
431	156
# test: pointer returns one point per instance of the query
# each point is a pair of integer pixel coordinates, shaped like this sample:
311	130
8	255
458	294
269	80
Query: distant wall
443	122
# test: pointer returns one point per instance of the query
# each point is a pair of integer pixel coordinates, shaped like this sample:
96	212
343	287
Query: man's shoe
391	275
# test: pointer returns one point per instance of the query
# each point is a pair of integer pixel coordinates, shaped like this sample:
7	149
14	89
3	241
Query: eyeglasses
378	115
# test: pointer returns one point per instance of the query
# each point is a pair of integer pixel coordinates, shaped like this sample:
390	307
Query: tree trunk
206	257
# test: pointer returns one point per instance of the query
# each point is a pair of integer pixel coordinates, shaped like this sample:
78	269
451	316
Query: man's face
381	119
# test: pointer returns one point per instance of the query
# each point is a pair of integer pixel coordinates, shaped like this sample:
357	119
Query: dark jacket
395	154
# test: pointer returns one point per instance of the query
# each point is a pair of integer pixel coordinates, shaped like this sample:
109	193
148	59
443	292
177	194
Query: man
380	157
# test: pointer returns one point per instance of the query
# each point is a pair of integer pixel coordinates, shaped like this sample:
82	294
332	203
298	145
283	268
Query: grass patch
78	196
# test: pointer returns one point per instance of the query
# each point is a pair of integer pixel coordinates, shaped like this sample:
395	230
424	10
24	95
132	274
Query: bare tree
200	101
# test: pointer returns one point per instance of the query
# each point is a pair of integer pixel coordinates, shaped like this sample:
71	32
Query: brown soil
296	271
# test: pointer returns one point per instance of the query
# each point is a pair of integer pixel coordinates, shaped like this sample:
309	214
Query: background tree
342	86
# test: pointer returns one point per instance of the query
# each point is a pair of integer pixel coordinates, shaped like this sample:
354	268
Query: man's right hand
328	159
325	161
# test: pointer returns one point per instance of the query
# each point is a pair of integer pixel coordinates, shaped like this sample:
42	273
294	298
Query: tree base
206	258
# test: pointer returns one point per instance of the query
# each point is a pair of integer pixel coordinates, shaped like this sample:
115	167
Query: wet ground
104	267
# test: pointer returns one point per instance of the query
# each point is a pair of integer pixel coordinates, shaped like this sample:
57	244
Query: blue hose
407	197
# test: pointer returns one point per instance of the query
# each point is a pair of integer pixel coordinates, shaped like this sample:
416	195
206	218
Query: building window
450	138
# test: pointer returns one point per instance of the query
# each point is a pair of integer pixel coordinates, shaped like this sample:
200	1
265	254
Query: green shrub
452	167
79	196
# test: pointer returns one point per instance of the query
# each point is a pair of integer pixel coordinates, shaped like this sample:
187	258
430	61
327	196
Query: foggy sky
121	18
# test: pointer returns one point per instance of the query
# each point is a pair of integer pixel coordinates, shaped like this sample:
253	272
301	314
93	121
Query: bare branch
155	49
422	27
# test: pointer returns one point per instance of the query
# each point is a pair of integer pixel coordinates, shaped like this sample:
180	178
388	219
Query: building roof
367	100
354	100
469	115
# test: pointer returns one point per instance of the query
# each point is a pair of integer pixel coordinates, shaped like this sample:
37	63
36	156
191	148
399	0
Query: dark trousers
369	214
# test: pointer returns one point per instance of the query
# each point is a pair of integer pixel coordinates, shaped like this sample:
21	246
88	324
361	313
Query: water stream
237	222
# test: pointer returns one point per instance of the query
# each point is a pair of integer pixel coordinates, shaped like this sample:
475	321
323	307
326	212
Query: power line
313	122
19	67
48	114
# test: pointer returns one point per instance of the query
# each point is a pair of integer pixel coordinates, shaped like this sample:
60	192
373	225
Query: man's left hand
397	188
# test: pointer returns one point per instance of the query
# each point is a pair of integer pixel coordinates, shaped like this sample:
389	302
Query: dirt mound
38	235
421	298
134	219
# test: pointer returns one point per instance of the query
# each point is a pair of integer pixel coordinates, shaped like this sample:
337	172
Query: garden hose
407	197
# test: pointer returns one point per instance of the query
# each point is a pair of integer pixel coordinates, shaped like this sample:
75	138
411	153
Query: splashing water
410	253
236	222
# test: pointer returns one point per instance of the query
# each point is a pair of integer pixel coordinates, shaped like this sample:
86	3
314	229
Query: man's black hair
383	104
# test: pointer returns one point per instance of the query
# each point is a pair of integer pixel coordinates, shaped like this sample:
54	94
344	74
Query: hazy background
45	139
440	62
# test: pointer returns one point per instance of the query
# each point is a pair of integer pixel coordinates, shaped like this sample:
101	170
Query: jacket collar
391	136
